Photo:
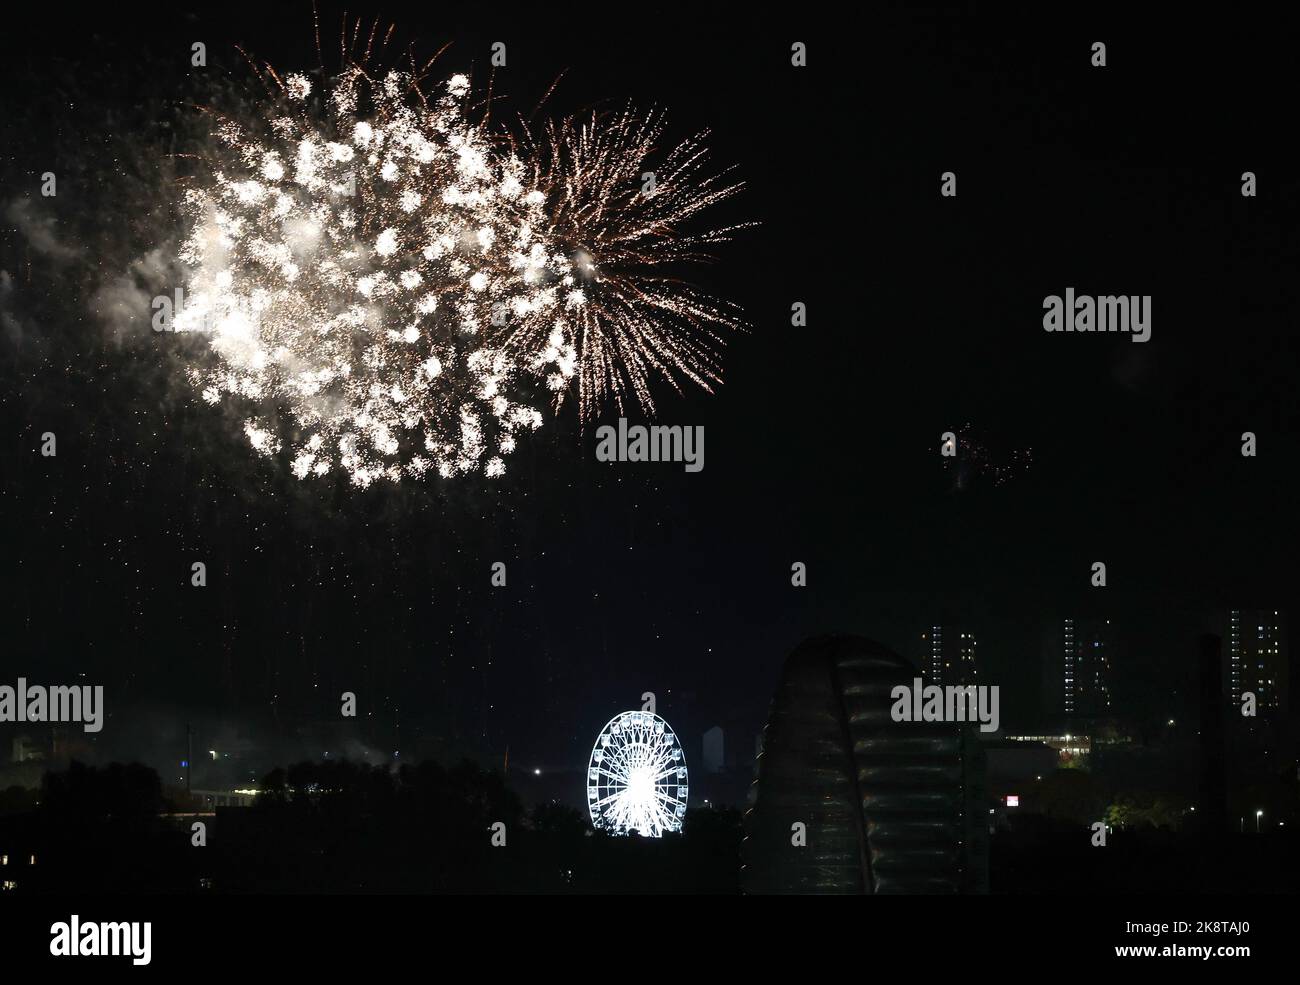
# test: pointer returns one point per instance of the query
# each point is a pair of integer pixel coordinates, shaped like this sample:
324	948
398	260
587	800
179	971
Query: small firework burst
387	286
974	459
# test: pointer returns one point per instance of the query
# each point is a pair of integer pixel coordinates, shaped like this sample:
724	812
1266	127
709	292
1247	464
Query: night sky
822	446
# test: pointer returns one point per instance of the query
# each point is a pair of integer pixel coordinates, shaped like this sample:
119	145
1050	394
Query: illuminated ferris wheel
636	780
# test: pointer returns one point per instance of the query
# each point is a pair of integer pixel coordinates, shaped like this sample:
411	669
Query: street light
1258	815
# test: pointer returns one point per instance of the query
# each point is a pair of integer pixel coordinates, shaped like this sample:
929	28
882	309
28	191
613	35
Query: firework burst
975	459
623	225
392	289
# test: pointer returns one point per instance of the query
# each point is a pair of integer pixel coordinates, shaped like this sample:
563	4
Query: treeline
339	826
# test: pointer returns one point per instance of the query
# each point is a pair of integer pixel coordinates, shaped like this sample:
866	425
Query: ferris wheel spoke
611	799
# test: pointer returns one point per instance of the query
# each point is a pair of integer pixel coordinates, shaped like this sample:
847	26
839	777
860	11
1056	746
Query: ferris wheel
636	780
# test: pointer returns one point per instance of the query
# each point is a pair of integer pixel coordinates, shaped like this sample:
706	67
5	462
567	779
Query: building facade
949	656
1085	659
1256	661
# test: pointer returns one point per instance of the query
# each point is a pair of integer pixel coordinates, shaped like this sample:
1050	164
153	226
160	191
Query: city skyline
450	451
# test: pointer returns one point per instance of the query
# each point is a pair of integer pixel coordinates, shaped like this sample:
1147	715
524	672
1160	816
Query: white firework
636	779
391	290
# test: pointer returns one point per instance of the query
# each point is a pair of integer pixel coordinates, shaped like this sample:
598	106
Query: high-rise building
949	656
1085	654
1256	660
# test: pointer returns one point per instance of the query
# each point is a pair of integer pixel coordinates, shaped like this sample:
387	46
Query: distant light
1013	800
212	753
537	772
185	764
1171	721
1259	813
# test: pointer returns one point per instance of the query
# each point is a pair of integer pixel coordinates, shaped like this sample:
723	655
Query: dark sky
924	315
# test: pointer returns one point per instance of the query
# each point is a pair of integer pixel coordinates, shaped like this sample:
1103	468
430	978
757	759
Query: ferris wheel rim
658	809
